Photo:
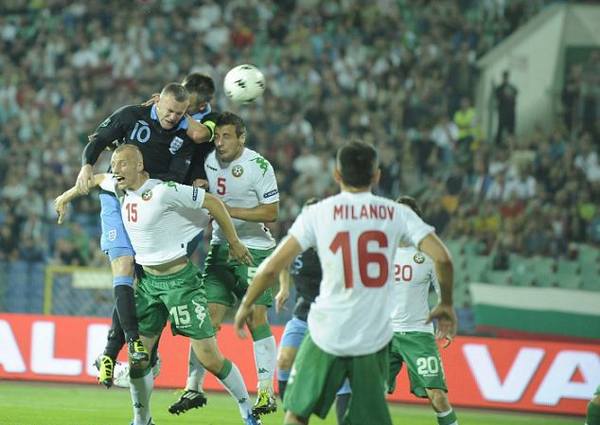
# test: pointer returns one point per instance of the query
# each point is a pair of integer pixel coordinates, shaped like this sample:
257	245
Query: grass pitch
26	403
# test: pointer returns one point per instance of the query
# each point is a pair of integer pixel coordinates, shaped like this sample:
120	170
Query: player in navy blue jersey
169	142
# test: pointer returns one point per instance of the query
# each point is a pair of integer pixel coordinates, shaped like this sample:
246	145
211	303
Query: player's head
410	202
127	165
357	166
172	105
201	88
230	136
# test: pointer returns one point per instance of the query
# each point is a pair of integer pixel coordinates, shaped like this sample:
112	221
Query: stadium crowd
400	74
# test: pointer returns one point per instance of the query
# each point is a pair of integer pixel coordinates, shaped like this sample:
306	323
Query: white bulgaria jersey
160	218
244	182
414	274
356	236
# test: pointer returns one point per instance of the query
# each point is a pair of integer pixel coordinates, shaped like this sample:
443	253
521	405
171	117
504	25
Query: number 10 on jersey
365	257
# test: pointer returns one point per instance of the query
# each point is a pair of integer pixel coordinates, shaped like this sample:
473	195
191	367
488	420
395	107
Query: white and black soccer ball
244	83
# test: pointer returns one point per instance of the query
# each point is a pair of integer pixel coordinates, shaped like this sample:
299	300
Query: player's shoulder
135	111
211	160
411	254
253	157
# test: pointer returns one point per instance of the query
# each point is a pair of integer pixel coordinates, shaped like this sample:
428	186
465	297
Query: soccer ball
244	83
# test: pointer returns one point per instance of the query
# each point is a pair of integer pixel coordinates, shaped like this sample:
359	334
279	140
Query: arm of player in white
266	274
284	289
262	213
444	311
217	210
61	202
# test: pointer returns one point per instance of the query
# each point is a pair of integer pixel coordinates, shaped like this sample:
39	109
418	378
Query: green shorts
316	377
597	391
179	297
226	281
420	352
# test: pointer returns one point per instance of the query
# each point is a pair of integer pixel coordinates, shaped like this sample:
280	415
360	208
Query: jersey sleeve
183	196
108	183
111	129
266	184
414	228
303	229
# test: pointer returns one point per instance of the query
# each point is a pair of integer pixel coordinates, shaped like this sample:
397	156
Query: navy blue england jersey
167	154
306	272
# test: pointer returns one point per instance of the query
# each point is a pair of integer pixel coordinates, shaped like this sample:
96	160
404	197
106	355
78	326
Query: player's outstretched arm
216	208
262	213
61	201
284	289
444	311
280	259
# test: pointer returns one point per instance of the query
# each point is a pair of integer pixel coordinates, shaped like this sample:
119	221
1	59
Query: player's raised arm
266	274
201	132
237	249
444	311
61	201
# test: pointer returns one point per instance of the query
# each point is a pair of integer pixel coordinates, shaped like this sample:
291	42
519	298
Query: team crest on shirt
147	195
105	123
419	258
237	171
112	235
176	143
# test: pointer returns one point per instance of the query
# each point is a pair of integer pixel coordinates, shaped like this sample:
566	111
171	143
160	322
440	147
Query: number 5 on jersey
365	257
221	189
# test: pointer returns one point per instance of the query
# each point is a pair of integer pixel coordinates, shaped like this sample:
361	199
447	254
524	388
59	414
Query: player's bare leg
285	359
441	405
141	385
292	419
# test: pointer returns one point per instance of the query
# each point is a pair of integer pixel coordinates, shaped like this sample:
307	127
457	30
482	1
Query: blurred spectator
506	102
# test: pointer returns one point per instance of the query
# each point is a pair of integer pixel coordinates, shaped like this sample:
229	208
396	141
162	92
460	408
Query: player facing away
201	89
160	132
413	342
160	219
305	272
245	182
355	234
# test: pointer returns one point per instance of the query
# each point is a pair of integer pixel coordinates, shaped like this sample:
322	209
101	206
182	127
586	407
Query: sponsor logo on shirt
195	194
211	167
237	171
176	143
105	123
147	195
270	193
419	258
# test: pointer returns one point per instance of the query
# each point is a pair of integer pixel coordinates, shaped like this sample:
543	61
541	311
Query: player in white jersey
160	219
356	235
245	182
414	342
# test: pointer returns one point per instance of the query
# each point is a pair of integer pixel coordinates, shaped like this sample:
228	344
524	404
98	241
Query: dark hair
410	202
229	118
177	91
357	163
201	85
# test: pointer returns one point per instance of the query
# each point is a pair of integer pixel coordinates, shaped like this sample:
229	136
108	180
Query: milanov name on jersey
356	212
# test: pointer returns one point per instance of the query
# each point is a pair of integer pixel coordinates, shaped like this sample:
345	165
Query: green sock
593	414
224	370
449	418
261	332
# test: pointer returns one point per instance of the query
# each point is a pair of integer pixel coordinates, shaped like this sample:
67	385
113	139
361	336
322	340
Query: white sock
196	373
265	358
141	390
234	384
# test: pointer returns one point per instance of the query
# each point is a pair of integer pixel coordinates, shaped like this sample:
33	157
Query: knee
285	358
439	400
258	317
122	266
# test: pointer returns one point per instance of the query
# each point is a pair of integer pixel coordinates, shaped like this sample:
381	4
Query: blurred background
486	111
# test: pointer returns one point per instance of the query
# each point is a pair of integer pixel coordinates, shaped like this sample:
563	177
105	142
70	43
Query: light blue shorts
114	241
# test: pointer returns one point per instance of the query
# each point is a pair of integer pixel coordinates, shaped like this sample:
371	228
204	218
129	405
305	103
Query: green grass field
24	403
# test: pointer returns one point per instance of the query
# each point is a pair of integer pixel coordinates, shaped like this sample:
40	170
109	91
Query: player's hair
357	163
200	84
229	118
127	147
177	91
410	202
